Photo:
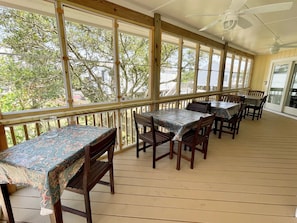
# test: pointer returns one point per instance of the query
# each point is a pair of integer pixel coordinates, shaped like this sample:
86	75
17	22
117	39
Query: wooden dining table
252	100
223	110
46	163
178	121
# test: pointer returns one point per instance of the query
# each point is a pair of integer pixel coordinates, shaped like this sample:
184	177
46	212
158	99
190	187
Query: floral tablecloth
252	100
48	163
178	121
224	109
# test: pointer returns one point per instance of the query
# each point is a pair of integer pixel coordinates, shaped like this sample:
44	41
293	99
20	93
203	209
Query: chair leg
205	147
192	157
88	207
254	112
258	114
221	128
137	148
237	127
171	149
154	157
215	126
233	130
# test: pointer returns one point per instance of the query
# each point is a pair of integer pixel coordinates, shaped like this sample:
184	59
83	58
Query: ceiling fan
232	17
277	46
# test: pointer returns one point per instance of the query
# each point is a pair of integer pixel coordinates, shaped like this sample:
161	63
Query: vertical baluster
86	119
37	126
26	132
94	120
12	135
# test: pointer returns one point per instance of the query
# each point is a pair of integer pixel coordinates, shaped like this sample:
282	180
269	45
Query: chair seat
188	138
161	137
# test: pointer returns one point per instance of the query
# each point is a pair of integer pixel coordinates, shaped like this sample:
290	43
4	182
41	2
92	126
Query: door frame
281	107
287	109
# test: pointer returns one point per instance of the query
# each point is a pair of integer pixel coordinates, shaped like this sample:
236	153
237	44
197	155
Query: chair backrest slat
204	124
232	98
204	107
98	148
256	93
145	122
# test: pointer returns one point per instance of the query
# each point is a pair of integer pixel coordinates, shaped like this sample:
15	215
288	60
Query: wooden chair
228	123
204	107
151	136
232	98
93	171
198	137
199	106
231	126
256	110
256	93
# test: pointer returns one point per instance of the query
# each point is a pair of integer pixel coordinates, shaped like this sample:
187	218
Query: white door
291	99
277	86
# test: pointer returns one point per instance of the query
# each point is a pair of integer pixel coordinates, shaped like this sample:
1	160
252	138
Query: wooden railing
16	129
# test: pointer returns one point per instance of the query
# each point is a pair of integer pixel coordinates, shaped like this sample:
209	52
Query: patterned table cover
178	121
252	100
48	163
224	109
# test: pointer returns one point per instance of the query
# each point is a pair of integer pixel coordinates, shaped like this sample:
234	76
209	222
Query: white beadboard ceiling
256	39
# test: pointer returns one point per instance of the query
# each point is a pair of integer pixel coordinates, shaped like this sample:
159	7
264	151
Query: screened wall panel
91	60
31	75
188	67
169	65
134	55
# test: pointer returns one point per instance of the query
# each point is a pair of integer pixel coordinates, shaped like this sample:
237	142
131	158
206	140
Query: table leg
178	158
57	217
7	210
215	126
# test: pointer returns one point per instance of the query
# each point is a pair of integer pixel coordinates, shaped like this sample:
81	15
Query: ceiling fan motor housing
274	49
230	20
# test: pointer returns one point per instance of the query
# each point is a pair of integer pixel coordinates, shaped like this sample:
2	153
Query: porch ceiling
256	39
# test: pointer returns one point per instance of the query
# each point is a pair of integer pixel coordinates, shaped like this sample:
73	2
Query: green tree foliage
134	68
31	68
31	73
90	51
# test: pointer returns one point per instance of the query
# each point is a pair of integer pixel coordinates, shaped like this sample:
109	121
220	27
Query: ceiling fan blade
198	14
268	8
162	5
236	4
243	23
210	24
289	45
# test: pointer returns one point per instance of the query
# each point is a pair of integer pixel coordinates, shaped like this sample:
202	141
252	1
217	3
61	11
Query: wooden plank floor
252	179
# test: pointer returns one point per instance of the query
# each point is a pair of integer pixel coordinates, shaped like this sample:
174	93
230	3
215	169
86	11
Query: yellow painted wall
262	67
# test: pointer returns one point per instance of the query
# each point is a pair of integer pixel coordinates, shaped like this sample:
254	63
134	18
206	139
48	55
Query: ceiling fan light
229	24
274	50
